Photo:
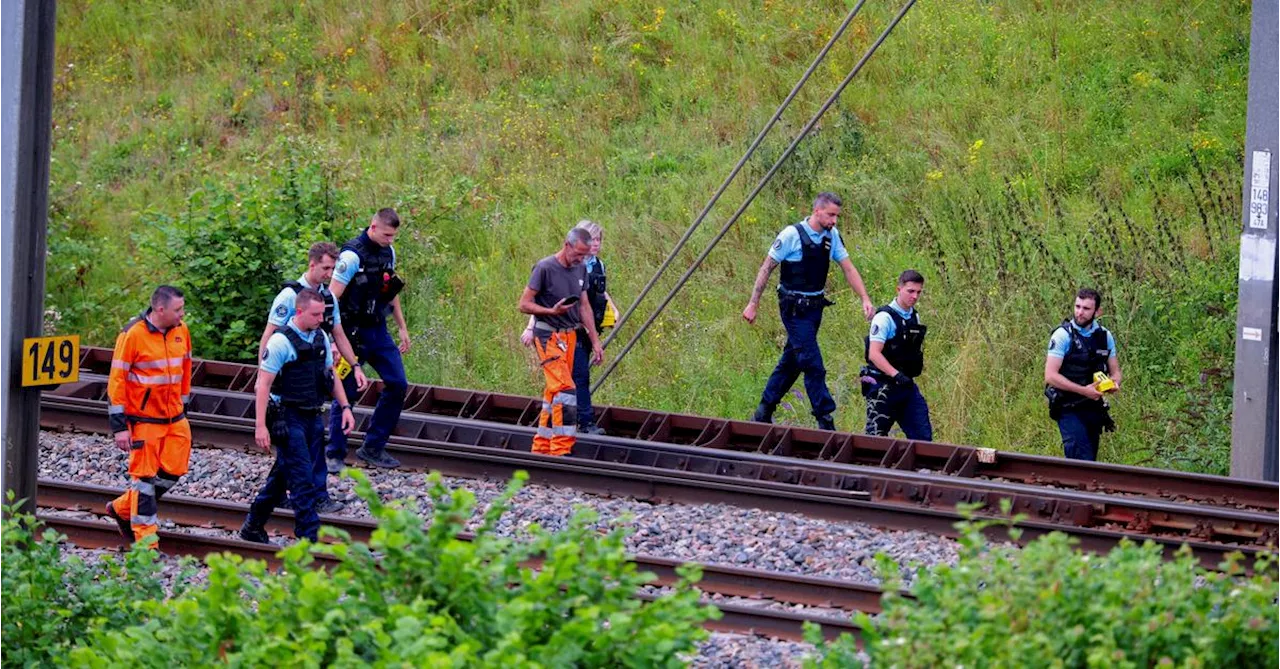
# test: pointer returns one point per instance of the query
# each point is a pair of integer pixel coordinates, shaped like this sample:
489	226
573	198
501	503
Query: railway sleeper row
789	441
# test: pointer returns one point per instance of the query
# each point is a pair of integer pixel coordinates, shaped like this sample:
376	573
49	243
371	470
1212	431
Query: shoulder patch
777	243
341	267
265	354
282	310
875	329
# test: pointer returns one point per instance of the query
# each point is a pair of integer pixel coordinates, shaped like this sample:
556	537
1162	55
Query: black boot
826	423
763	414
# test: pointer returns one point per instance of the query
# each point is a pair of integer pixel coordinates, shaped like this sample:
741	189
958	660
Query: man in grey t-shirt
557	298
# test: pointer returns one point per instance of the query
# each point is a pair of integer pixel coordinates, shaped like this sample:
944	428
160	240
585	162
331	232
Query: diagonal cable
751	198
733	174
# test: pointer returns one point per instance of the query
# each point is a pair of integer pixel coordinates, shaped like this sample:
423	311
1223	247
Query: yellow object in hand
1105	384
343	368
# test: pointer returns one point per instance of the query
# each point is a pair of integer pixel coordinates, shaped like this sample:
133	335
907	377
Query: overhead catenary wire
752	196
644	292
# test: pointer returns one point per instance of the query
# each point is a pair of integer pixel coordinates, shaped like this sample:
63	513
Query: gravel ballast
713	533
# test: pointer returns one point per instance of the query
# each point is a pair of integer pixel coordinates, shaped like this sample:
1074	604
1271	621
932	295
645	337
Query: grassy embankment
1010	150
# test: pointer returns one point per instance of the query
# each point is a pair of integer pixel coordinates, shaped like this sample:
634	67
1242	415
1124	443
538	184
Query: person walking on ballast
1079	350
606	314
148	390
367	287
321	259
805	250
295	382
556	296
895	357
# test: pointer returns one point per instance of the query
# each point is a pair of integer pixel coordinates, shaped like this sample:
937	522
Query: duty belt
803	301
156	421
539	325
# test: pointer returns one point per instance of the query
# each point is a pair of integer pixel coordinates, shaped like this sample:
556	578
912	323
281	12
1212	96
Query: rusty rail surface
727	581
648	470
836	447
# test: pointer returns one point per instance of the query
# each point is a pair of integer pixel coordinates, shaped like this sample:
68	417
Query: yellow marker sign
48	361
343	368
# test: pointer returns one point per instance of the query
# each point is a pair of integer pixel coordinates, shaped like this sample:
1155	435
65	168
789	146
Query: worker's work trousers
160	454
558	422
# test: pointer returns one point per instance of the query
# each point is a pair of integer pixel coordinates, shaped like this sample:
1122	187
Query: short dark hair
825	198
578	235
387	216
305	297
910	276
1090	294
163	295
321	250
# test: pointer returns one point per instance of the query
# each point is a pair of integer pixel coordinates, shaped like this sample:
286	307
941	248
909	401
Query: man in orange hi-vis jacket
148	391
557	299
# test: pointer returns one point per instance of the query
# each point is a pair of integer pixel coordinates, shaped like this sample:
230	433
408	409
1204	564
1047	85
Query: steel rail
480	450
1067	507
735	618
958	462
717	579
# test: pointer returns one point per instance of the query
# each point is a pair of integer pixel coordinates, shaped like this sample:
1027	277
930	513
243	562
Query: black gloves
902	379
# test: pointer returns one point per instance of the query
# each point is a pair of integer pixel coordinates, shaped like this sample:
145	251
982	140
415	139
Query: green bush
419	596
1050	605
235	242
50	599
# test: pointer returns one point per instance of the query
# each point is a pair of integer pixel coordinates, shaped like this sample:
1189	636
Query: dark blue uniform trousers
373	345
582	380
293	472
1081	430
889	403
801	355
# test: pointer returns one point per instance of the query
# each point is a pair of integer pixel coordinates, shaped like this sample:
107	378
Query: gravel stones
714	533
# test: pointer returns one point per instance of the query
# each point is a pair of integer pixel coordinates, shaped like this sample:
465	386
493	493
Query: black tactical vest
330	304
595	292
809	273
905	349
374	286
1085	355
305	383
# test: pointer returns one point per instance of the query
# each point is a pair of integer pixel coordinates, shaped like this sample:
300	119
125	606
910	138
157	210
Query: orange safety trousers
558	422
160	454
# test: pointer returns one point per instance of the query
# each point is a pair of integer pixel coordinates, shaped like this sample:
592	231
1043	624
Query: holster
792	303
276	425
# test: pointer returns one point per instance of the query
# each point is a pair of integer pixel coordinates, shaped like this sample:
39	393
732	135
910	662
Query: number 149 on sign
50	360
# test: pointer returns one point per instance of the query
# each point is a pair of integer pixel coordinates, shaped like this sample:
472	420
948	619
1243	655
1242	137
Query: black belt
156	421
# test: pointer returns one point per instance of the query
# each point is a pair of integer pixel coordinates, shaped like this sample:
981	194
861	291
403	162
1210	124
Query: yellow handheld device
1105	384
343	368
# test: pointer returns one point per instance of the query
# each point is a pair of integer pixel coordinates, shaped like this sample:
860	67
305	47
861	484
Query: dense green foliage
51	598
1010	150
411	596
1050	605
231	245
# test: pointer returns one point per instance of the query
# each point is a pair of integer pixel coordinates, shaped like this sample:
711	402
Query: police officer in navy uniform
295	383
1078	349
895	357
321	259
805	251
366	285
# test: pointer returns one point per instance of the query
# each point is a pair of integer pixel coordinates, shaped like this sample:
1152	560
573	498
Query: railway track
649	470
722	580
961	462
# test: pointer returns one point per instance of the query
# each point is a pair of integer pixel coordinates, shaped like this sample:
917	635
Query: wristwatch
344	407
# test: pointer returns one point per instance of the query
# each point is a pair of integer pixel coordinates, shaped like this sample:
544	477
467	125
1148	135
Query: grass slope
1010	150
